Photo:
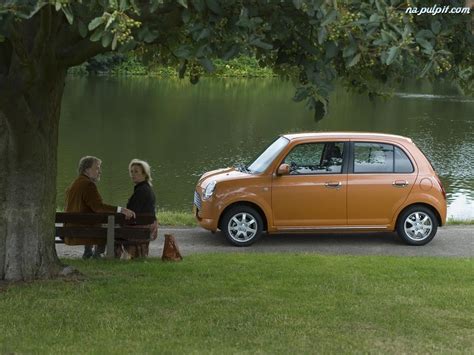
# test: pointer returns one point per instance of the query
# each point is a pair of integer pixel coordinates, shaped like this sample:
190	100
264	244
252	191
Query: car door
380	178
313	194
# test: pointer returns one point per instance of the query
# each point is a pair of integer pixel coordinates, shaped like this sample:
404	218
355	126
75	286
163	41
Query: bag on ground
170	249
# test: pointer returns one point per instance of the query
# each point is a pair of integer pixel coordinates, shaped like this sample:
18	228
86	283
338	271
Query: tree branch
80	52
42	36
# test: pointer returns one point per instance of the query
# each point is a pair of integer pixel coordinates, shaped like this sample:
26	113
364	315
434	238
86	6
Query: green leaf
392	54
155	4
319	106
183	3
128	46
184	51
231	53
426	69
349	51
331	50
107	39
425	34
435	27
322	35
387	35
204	34
124	5
214	6
354	60
379	42
330	18
68	13
109	21
97	34
82	28
186	16
297	4
374	18
379	7
114	41
95	23
135	6
425	44
301	93
259	43
207	64
199	5
150	36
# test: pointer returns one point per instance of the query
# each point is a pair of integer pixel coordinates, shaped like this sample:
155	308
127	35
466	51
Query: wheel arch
245	203
427	205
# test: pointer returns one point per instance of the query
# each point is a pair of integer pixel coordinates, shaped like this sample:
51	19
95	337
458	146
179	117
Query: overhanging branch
80	52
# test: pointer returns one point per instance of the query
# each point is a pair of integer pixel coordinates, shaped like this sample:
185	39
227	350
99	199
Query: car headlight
209	189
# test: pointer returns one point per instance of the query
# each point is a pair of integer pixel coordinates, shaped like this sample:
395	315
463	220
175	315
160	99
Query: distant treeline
130	64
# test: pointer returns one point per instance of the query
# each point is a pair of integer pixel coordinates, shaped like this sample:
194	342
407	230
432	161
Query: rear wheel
417	225
242	225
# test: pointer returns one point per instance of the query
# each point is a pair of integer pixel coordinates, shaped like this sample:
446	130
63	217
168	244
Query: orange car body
344	201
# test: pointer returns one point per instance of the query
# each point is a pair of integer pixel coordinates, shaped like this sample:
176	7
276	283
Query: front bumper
202	212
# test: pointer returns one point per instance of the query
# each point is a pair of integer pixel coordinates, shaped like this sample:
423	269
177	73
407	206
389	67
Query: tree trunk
28	150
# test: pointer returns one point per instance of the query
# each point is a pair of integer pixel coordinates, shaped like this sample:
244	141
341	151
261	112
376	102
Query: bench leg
110	237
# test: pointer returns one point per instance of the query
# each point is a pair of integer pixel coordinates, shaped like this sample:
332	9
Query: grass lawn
247	303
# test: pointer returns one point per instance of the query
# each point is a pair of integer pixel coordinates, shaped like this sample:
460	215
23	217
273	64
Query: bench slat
101	232
96	218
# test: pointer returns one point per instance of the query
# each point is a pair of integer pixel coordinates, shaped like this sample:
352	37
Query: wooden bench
103	226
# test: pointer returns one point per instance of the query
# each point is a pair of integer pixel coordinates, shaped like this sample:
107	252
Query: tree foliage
363	44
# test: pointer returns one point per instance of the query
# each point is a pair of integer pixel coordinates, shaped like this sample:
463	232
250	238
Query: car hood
220	175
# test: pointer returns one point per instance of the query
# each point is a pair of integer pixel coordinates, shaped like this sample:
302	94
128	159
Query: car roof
345	135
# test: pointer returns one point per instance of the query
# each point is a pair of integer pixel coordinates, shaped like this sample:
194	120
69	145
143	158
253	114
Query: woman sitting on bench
142	201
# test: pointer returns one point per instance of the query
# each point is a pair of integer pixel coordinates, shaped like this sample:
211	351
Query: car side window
402	162
316	158
373	158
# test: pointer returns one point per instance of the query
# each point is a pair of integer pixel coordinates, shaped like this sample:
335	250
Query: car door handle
400	183
333	185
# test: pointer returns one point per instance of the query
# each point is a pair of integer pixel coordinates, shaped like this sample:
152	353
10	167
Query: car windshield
261	164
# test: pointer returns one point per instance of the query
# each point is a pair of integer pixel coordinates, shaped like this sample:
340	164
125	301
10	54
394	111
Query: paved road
451	241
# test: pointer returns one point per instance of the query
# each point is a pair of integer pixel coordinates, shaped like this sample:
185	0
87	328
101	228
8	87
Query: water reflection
185	130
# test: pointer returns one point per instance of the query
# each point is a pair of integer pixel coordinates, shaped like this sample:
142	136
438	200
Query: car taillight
443	191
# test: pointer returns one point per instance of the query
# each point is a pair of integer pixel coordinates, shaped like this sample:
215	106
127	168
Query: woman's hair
86	163
145	168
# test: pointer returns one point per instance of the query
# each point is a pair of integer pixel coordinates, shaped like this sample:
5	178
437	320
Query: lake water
183	130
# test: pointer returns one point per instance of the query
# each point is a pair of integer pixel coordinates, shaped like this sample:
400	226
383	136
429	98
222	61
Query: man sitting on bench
83	196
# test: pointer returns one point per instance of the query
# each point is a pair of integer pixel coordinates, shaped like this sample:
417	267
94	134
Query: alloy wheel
242	227
418	226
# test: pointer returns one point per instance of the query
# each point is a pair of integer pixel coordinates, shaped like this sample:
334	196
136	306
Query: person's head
139	171
90	167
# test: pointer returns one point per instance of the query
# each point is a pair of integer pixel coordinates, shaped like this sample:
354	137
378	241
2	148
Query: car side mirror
283	169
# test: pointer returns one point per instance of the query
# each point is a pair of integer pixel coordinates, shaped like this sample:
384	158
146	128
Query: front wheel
417	225
242	225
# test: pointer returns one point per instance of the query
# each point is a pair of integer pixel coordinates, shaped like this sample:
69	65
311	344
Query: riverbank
114	64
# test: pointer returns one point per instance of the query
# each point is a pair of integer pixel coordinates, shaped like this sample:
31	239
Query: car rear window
380	158
402	162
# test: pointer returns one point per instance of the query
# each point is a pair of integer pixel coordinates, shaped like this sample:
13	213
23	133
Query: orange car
338	182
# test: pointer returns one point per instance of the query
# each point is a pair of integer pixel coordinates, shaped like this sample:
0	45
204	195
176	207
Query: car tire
242	225
417	225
